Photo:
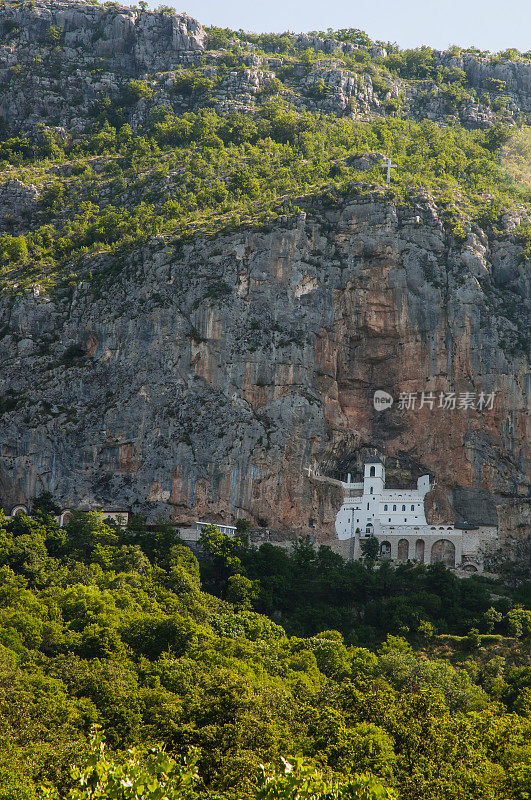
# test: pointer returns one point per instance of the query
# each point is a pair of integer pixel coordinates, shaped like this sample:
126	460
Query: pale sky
488	24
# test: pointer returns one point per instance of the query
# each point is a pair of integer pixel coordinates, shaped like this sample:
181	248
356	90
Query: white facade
396	517
371	507
227	530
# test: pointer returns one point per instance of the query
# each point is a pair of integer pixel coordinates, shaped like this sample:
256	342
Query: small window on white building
412	508
367	506
371	490
403	508
394	508
385	508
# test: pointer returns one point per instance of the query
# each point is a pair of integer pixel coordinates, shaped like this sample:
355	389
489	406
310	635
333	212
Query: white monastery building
396	517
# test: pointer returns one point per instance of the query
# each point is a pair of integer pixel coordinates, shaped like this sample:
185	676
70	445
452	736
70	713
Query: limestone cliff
228	375
205	378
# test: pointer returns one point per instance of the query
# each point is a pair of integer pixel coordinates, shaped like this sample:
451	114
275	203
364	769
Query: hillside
205	276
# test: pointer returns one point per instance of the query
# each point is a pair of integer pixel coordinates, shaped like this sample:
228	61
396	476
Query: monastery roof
374	460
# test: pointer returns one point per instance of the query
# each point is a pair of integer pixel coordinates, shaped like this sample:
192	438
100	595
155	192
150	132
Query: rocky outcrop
438	508
211	378
60	60
129	39
16	201
58	57
332	89
512	78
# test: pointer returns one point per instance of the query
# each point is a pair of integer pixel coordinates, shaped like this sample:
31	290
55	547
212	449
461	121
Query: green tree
86	532
241	591
492	618
45	503
519	622
299	780
151	776
370	548
243	527
13	249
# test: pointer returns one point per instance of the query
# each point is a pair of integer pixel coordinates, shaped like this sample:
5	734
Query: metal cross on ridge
389	164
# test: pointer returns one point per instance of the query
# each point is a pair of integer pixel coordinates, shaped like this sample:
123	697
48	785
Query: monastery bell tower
373	486
374	476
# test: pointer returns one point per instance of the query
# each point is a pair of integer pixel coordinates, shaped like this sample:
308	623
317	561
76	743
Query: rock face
60	59
206	379
16	201
130	40
236	376
482	73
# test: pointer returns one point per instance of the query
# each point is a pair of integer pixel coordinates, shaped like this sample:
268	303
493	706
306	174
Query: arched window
65	517
403	508
394	508
403	549
385	508
443	551
412	508
419	550
372	472
385	550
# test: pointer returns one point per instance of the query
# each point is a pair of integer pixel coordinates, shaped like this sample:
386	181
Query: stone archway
16	510
419	550
403	549
443	551
385	550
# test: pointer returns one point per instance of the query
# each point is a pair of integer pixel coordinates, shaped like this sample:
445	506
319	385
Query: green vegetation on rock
195	172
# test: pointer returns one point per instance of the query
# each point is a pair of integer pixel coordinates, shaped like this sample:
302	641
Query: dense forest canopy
110	627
